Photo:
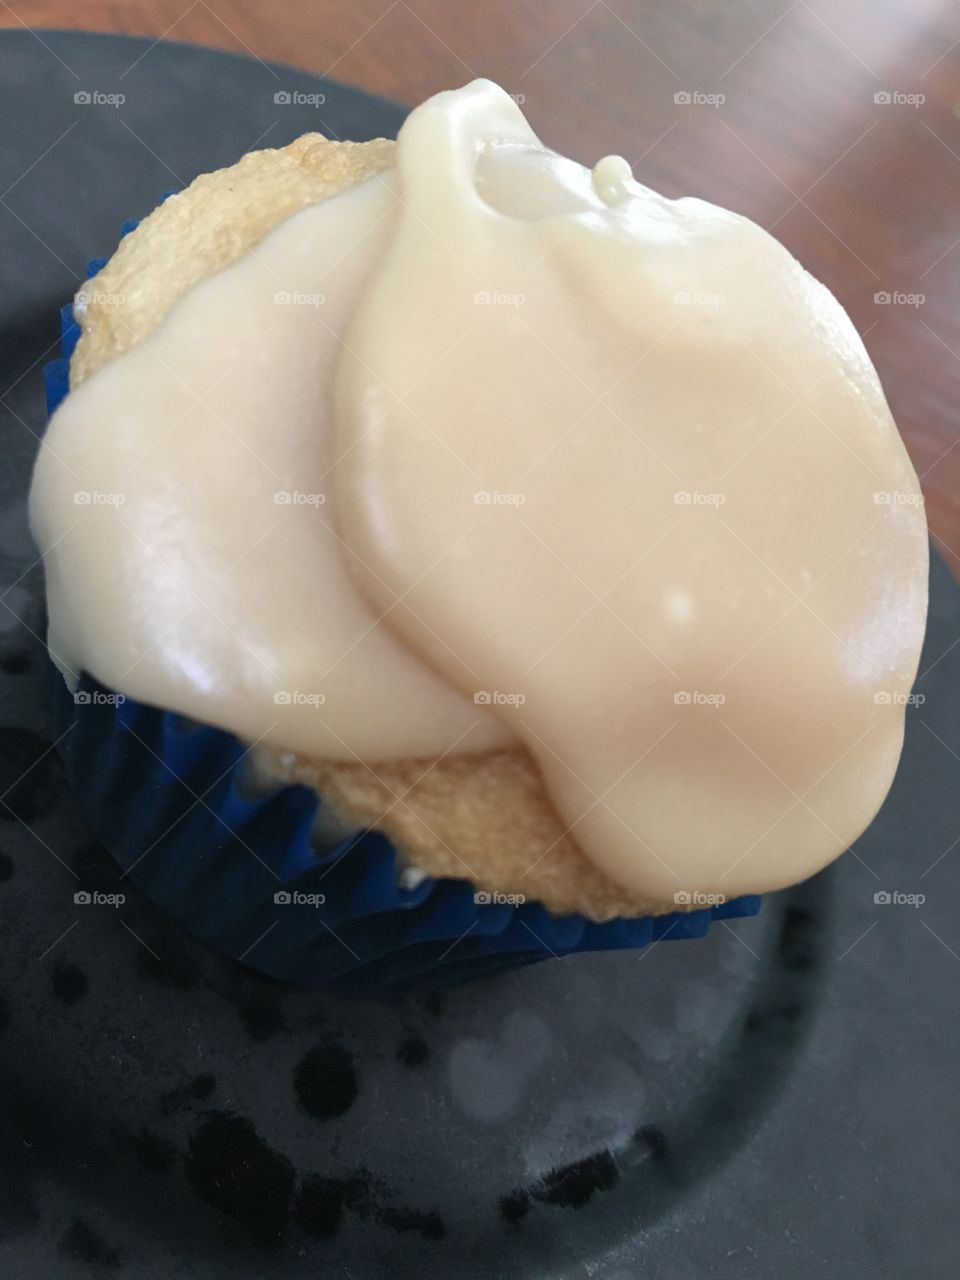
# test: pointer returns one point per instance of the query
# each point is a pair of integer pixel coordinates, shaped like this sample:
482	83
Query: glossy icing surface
567	464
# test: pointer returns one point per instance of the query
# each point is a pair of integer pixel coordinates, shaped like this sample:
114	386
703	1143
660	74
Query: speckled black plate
779	1099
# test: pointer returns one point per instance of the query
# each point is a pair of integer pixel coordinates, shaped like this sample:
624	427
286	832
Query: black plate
779	1099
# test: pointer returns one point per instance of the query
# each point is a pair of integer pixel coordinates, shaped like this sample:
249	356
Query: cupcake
456	557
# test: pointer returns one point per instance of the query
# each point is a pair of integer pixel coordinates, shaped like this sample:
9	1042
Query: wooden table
835	123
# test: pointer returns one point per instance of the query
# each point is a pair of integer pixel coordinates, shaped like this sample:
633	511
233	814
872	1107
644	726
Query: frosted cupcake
524	562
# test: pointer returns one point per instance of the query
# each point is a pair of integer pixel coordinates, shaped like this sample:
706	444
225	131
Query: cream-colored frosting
606	475
187	581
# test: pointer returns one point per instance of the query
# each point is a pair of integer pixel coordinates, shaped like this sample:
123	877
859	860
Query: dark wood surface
866	193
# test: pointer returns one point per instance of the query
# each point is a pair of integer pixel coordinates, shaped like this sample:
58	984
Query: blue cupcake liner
252	878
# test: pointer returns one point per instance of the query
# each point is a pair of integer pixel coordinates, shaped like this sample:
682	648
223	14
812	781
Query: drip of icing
606	474
612	178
